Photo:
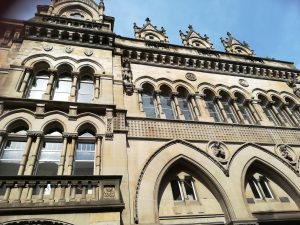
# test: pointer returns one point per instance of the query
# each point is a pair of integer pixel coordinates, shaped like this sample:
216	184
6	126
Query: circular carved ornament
88	52
47	47
219	151
69	49
243	83
287	153
191	76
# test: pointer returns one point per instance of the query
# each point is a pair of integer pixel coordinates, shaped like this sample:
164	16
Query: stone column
26	153
98	154
221	107
238	111
70	155
25	80
178	113
97	87
74	86
160	111
47	95
195	108
139	92
60	170
33	156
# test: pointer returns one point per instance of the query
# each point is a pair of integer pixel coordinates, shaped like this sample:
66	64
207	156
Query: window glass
229	111
63	88
51	151
148	104
184	105
85	90
212	110
271	116
84	159
38	87
247	115
286	118
189	188
13	150
176	190
265	188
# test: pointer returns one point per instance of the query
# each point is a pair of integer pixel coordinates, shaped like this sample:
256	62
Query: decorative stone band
212	64
169	130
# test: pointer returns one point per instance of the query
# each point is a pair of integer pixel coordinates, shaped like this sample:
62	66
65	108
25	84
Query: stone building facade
101	129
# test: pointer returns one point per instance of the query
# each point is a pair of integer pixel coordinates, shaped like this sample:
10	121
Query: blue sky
270	27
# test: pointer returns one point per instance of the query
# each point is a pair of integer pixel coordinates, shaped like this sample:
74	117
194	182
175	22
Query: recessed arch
54	124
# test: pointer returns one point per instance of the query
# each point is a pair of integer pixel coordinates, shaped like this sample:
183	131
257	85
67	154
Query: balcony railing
70	193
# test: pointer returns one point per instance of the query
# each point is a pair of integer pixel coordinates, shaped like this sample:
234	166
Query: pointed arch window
12	151
63	87
166	102
39	85
282	112
85	89
85	154
50	153
184	104
148	100
260	188
211	106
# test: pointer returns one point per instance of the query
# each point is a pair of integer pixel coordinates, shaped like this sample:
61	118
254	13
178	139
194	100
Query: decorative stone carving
88	52
47	47
232	45
292	82
109	192
150	32
287	153
194	39
191	76
219	151
297	92
127	78
69	49
243	83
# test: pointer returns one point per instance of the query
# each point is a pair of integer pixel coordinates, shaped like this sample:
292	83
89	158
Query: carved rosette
286	153
109	192
219	151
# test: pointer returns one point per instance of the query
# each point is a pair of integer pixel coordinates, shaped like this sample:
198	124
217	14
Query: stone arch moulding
262	152
165	155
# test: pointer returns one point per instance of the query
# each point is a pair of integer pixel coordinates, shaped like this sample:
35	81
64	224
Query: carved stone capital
35	134
3	133
52	70
70	135
174	93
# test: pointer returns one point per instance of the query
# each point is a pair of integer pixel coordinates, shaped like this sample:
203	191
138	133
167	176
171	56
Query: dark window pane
212	110
265	188
255	190
184	108
166	104
148	105
175	185
189	188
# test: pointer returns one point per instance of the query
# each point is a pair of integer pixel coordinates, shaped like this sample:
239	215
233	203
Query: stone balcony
60	193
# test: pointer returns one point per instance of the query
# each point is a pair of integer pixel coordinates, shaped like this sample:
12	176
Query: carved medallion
88	52
219	151
191	76
47	47
287	153
68	49
243	83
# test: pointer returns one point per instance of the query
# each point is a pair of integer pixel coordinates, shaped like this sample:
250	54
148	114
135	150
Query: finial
148	20
180	32
163	30
101	7
135	26
190	27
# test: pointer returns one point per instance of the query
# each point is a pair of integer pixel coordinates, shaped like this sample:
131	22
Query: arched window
12	149
149	101
211	106
85	89
228	107
293	107
265	104
50	153
282	112
184	103
39	85
243	105
166	102
85	153
63	87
